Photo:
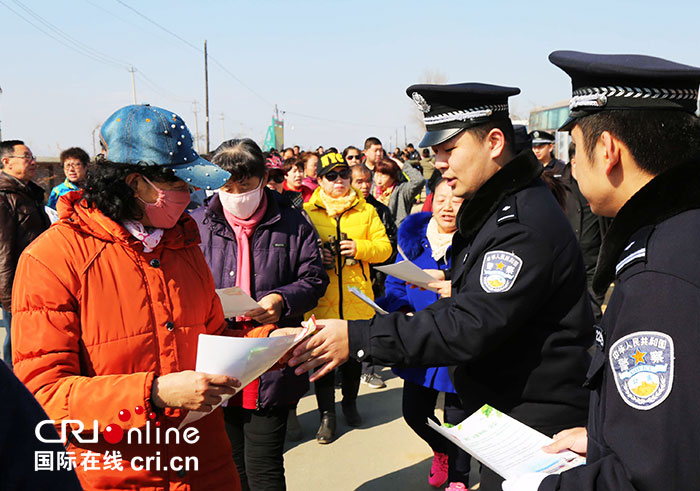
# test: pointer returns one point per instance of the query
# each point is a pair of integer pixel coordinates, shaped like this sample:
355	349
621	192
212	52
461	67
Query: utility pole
196	126
206	92
94	146
132	70
396	134
223	133
405	140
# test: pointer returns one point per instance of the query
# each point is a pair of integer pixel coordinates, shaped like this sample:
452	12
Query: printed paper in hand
243	358
359	294
408	272
505	445
236	302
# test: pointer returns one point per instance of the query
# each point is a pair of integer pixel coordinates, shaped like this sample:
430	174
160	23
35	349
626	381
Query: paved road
384	454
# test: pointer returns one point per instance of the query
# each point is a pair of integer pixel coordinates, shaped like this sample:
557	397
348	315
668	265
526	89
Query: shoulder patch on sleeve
642	366
499	271
636	249
507	211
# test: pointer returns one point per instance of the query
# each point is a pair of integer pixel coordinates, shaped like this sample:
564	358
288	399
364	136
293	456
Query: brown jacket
22	219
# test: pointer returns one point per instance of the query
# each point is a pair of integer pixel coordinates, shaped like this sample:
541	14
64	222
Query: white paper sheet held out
359	294
236	302
243	358
409	272
505	445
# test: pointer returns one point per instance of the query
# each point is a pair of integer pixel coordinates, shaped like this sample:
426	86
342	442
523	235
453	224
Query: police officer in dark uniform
638	159
543	148
518	322
589	230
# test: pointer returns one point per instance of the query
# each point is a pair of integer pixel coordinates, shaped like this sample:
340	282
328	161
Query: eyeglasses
72	166
343	174
27	156
353	157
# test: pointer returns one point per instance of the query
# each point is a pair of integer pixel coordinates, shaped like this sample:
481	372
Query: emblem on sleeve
642	366
499	271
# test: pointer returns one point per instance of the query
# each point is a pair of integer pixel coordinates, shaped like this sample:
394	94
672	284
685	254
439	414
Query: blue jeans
6	322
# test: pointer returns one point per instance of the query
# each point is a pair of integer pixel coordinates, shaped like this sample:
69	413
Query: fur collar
412	232
667	195
514	176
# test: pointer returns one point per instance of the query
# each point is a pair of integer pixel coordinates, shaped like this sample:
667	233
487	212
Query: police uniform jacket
556	166
644	427
518	322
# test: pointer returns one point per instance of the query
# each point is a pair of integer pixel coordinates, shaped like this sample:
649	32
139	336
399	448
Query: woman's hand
574	439
195	391
444	288
270	311
348	248
438	274
327	257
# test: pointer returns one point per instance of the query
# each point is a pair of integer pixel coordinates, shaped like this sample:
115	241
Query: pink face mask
168	208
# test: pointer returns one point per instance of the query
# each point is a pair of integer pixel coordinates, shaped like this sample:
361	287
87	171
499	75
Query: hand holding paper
410	273
236	302
505	445
243	358
192	390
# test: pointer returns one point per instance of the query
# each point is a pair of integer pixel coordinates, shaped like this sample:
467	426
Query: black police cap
628	82
449	109
540	137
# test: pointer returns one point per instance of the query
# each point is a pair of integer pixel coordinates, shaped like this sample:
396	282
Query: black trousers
257	438
418	404
325	390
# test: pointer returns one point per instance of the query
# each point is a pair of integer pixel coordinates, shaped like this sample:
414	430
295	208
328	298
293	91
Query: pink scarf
244	231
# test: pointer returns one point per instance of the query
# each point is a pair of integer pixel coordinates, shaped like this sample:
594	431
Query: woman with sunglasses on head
397	185
353	237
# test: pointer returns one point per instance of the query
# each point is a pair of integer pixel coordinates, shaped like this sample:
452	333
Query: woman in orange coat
108	306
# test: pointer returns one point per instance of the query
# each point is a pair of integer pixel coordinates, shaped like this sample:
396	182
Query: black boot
326	432
352	417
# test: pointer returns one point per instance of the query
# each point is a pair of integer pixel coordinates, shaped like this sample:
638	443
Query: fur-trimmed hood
667	195
514	176
412	233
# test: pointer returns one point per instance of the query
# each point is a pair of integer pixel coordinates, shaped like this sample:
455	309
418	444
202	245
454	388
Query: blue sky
347	64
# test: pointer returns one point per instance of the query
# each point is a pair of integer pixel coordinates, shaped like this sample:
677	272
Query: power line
198	49
54	37
68	38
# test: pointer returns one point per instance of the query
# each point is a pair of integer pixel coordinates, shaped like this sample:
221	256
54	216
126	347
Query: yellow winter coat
361	224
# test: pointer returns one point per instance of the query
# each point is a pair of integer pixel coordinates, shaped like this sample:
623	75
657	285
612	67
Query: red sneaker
438	471
456	486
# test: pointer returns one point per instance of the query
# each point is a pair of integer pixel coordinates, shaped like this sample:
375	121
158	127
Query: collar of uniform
668	194
514	176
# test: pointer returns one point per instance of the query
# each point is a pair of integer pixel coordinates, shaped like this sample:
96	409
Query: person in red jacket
107	308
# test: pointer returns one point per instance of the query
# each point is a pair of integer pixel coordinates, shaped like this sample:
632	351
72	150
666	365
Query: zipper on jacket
339	260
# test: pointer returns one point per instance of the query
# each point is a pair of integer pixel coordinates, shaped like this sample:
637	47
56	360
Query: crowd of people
106	286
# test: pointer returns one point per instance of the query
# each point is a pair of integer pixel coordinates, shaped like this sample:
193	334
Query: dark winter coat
643	423
22	219
518	323
414	243
286	260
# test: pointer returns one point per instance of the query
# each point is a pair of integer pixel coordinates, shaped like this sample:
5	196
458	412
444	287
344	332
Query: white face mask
242	205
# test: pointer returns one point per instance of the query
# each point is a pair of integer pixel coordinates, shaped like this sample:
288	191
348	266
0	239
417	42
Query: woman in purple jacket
255	239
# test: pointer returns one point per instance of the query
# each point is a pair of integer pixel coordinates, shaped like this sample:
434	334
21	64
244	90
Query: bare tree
428	76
